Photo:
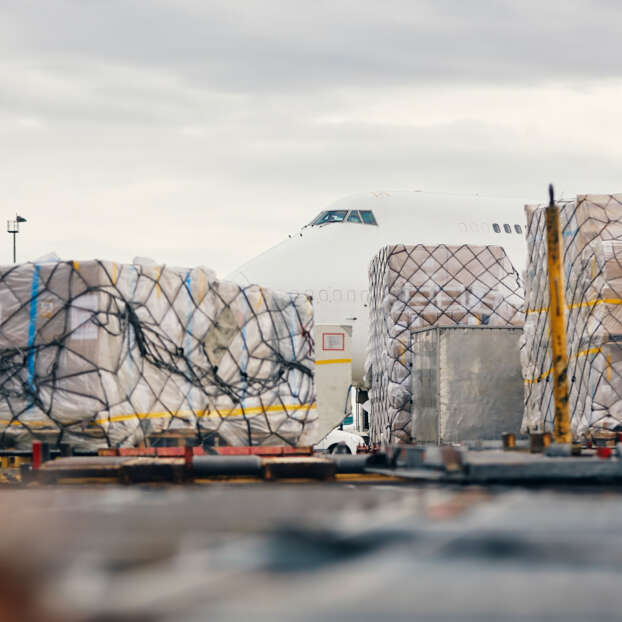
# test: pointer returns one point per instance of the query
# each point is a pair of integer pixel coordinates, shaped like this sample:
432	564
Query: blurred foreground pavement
309	552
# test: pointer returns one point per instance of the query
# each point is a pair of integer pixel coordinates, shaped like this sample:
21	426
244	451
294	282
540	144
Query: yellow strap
587	303
234	412
546	373
332	361
30	424
255	410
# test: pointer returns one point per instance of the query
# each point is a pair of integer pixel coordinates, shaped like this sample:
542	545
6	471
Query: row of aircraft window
364	217
507	228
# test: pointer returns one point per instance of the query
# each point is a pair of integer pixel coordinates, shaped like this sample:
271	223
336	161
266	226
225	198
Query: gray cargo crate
466	383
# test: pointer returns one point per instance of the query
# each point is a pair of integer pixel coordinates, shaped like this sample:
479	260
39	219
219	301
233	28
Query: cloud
280	45
202	132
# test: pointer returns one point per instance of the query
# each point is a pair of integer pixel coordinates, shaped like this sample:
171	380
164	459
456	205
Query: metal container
466	383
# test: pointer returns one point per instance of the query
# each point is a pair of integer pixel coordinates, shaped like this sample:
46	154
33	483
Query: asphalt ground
310	552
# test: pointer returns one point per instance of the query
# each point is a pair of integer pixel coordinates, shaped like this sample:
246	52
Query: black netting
414	287
592	241
101	354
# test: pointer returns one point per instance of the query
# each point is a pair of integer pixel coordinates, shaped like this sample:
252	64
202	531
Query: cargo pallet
530	464
173	464
199	469
170	446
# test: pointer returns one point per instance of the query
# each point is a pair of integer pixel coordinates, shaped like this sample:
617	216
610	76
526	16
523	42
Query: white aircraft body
329	258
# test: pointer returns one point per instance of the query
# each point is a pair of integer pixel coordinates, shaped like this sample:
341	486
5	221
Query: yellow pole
557	307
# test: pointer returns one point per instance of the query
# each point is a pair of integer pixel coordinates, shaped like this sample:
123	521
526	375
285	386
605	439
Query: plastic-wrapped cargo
592	243
416	287
99	354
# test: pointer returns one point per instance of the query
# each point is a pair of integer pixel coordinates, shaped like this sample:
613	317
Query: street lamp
12	226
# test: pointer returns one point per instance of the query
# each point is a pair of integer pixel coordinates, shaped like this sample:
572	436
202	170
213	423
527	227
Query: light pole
12	226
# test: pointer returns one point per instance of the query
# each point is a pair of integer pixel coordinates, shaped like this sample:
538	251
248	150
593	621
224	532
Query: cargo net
592	262
98	354
417	287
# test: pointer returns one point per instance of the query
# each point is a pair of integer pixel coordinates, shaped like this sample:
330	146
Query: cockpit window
368	217
337	215
317	219
341	215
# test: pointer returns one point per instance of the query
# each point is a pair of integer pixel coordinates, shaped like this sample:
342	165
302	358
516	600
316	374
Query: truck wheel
339	448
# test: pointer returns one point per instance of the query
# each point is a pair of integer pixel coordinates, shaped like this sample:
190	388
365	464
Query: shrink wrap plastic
592	242
415	287
102	354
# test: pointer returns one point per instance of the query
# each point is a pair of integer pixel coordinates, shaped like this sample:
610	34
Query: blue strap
32	326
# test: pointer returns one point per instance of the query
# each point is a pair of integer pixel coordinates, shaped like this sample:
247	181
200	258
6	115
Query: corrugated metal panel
467	384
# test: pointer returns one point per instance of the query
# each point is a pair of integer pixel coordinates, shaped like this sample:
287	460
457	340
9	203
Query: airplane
329	257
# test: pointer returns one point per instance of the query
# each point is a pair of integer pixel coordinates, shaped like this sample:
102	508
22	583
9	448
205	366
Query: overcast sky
200	132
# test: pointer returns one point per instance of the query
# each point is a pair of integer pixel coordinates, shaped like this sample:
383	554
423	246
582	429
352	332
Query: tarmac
337	551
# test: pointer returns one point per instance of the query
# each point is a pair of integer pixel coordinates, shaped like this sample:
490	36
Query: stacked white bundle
592	236
104	354
414	287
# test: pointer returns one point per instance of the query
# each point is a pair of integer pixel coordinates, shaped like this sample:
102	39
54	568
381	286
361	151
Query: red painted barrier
37	452
188	454
180	452
604	452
